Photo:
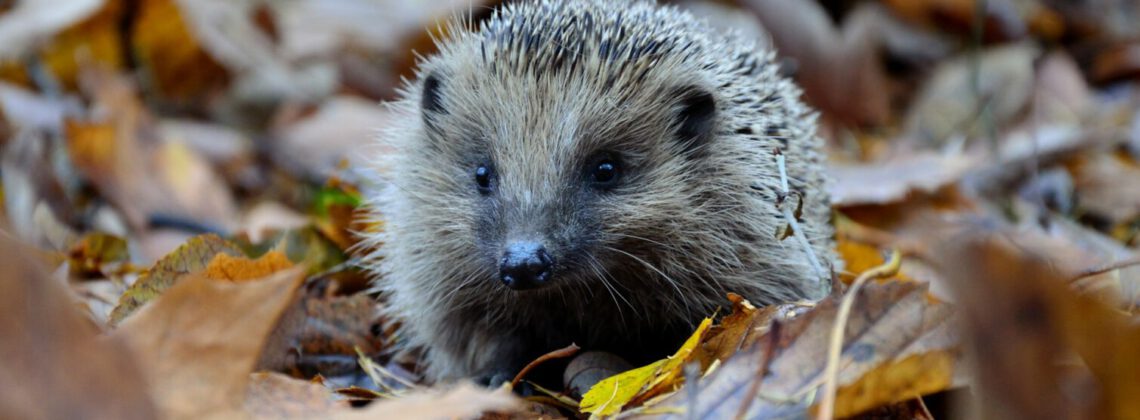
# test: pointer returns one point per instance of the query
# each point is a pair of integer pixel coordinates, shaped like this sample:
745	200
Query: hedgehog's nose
525	265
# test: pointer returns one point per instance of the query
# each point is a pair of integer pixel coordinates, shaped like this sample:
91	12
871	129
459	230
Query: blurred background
156	119
129	126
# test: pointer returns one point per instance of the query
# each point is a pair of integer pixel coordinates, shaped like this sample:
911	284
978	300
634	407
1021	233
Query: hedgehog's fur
536	91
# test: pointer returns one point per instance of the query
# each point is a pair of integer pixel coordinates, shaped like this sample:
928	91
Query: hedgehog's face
558	181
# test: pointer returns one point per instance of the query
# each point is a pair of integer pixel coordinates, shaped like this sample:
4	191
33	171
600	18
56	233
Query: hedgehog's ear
431	103
696	113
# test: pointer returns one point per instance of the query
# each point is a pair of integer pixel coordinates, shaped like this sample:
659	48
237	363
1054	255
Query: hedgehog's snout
526	265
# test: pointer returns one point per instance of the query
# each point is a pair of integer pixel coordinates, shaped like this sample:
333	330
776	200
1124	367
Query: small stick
761	371
557	354
835	345
800	235
1106	268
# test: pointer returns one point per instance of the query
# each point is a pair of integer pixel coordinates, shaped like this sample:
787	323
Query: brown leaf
341	128
36	200
891	322
1107	187
276	396
950	104
268	217
1062	93
1118	62
1002	19
63	36
118	150
740	329
196	48
199	341
227	267
52	363
30	22
802	31
1024	321
319	330
191	257
892	181
170	53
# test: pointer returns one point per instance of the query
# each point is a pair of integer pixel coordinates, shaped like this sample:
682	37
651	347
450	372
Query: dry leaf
171	54
1024	322
239	268
32	22
199	341
51	362
143	175
91	255
63	36
891	321
892	181
191	257
609	396
950	105
740	329
1107	188
276	396
802	31
1062	93
341	128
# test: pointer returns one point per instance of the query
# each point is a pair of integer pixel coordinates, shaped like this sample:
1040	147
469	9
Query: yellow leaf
896	381
94	40
611	394
170	54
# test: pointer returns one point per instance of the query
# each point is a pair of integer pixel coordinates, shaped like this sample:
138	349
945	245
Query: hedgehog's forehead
605	40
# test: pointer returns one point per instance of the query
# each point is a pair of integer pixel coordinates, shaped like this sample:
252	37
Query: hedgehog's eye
483	178
604	172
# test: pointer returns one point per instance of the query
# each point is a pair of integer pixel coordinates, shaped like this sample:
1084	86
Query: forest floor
181	188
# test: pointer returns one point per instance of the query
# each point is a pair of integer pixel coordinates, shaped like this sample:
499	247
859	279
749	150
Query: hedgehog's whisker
604	276
641	238
708	281
669	280
467	282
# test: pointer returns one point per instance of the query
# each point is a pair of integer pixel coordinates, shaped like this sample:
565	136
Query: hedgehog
596	172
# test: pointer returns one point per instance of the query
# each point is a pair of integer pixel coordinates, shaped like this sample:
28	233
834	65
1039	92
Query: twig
554	396
377	373
835	344
557	354
1106	268
761	371
800	235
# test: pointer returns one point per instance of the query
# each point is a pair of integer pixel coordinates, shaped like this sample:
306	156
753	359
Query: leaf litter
196	166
